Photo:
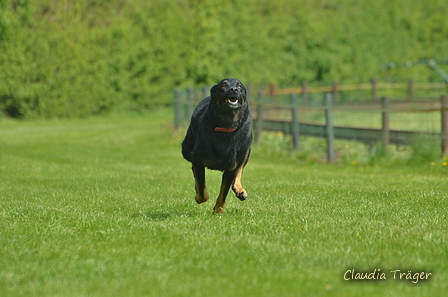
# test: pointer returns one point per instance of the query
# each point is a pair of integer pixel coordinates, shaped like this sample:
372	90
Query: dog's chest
224	154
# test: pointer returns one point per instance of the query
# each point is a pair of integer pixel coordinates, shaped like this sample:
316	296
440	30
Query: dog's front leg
199	178
226	183
237	187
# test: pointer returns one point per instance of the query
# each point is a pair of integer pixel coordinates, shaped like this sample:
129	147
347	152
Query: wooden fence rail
184	103
373	86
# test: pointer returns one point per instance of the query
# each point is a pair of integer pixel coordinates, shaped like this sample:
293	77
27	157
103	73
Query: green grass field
105	207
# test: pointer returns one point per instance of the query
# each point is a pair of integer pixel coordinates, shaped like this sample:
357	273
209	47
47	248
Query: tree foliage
74	58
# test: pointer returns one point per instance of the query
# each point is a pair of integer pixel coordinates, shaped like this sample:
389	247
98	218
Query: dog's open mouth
233	101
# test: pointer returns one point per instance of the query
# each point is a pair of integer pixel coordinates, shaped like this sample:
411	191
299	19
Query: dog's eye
240	87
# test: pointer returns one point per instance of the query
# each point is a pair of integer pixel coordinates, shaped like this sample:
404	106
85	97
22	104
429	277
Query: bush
75	58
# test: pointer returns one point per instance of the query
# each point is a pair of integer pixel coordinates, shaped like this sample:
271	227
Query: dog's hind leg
227	181
199	178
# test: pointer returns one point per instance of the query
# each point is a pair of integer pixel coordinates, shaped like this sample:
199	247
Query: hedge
75	58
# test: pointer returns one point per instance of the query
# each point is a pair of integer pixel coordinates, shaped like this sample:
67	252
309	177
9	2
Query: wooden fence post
304	91
444	135
177	108
272	91
249	92
295	123
205	92
329	128
335	90
385	122
187	103
411	89
374	89
259	117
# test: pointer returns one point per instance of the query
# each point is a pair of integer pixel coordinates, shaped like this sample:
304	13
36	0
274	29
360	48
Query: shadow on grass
157	216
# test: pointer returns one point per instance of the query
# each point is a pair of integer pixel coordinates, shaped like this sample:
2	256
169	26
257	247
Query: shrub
74	58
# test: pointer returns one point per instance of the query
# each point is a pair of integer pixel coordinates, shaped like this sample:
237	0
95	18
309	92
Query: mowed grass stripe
105	207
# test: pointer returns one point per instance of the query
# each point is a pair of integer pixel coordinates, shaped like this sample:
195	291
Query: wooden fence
286	116
374	87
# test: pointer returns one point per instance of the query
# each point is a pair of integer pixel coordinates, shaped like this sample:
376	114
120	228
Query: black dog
219	137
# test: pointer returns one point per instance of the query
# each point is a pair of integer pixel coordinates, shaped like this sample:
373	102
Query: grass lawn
105	207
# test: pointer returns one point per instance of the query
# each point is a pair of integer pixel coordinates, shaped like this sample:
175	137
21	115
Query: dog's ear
213	90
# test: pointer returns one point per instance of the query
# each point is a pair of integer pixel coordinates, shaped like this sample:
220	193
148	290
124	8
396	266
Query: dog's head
229	93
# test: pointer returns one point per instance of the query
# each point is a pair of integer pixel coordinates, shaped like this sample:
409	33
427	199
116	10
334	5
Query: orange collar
227	130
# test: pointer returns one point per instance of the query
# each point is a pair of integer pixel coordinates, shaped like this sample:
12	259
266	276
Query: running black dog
219	137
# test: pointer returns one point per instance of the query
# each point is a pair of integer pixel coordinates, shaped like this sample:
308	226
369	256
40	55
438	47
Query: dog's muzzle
233	101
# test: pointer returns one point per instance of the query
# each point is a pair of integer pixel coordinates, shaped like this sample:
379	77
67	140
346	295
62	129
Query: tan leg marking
200	197
221	201
237	187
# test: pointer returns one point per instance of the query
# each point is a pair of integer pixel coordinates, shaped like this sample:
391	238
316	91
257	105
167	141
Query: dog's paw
201	198
241	194
218	210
